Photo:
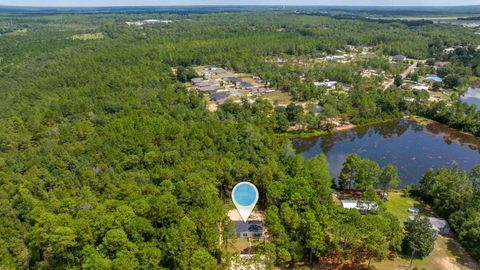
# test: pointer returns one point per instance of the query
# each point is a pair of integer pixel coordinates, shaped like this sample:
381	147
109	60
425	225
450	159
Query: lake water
472	96
411	146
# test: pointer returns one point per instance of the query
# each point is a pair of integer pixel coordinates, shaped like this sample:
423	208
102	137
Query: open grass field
278	97
447	254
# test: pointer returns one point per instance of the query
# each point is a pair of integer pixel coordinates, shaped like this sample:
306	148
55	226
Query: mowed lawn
447	254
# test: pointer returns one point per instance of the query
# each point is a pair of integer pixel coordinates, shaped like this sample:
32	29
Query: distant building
150	21
220	71
449	50
219	97
232	79
422	87
210	67
203	84
209	89
196	80
413	210
439	225
433	78
249	229
328	84
245	85
399	58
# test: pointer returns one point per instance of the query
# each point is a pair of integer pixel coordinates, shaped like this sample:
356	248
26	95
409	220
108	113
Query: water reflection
411	146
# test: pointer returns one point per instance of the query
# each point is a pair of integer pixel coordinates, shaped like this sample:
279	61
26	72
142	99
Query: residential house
399	58
232	79
249	229
245	85
210	67
219	97
433	78
359	205
195	81
203	84
209	89
220	71
439	225
328	84
419	86
449	50
414	210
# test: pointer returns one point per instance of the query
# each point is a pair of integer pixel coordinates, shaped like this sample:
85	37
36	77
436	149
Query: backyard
447	254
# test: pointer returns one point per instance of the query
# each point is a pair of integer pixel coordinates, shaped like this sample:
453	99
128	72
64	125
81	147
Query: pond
411	146
472	96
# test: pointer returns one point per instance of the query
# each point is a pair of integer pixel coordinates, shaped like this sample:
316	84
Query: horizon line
236	5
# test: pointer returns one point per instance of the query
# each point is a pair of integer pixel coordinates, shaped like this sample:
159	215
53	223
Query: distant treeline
476	18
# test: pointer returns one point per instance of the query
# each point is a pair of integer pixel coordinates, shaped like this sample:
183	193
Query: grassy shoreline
317	132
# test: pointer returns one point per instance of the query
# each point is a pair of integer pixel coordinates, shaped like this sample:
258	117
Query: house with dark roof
249	229
232	79
219	97
245	85
210	67
399	58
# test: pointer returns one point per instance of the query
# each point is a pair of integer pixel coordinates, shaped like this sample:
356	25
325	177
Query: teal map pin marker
245	196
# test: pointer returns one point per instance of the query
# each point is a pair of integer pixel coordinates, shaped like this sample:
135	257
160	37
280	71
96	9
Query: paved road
409	70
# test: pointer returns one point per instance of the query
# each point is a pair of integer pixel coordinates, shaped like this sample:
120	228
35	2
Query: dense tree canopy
107	160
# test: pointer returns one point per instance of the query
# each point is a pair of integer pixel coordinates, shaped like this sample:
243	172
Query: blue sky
236	2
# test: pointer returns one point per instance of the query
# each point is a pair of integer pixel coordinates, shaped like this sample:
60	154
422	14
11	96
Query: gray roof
249	226
219	96
196	80
438	224
399	57
232	79
206	89
246	85
220	71
202	84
